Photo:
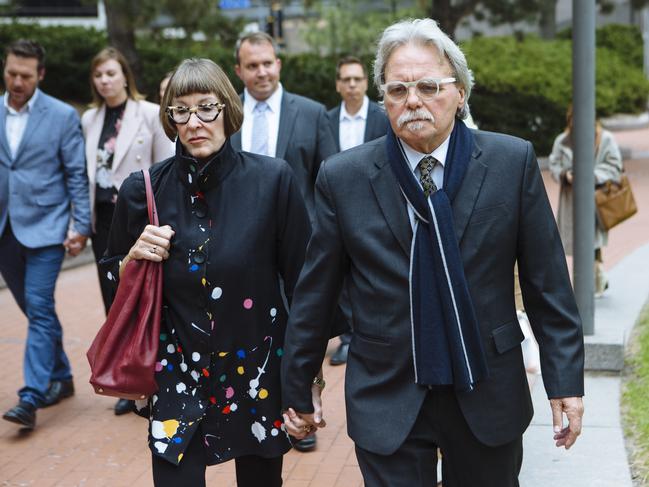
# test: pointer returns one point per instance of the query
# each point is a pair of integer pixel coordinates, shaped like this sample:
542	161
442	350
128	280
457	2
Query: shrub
523	88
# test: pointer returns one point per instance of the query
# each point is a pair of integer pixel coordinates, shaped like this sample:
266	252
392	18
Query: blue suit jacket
45	185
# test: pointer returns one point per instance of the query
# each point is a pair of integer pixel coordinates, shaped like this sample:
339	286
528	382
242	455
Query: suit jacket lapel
5	154
287	118
335	127
392	204
369	124
468	194
131	121
36	116
92	141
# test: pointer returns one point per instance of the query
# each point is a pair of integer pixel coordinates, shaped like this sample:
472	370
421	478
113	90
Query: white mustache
415	115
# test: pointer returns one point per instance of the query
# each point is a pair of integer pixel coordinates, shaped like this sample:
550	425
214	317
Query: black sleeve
547	292
129	219
316	295
293	231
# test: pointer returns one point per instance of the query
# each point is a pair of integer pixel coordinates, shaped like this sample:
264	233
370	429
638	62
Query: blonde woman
123	134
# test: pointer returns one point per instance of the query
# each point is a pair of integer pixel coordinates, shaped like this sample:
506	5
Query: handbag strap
150	200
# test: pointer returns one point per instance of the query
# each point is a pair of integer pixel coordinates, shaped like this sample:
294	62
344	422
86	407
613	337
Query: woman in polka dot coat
232	236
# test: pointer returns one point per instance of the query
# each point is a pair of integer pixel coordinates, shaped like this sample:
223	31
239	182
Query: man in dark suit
281	124
356	120
278	123
425	224
44	210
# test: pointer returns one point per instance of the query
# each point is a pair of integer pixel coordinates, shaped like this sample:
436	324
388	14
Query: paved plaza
79	442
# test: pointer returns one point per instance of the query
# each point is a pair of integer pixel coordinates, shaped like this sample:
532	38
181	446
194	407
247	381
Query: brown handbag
615	202
123	354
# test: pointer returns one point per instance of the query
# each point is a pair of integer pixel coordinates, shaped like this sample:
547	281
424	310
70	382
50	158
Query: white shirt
351	128
414	157
16	122
274	102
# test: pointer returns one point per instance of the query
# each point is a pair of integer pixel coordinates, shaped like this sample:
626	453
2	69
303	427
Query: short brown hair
202	76
106	55
254	38
28	49
349	60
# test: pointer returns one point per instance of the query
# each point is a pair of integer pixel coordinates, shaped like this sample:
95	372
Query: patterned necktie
426	166
259	144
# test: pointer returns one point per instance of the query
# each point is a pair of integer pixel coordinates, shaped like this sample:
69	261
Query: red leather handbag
123	354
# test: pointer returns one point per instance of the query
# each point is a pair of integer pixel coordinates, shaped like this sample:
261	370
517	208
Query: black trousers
104	217
252	471
465	461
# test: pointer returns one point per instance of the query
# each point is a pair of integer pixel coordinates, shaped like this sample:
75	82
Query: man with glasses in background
355	121
44	211
424	225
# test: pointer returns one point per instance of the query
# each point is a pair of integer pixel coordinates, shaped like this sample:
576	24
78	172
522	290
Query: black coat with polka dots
241	230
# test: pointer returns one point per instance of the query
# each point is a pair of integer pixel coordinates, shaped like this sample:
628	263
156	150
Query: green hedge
522	87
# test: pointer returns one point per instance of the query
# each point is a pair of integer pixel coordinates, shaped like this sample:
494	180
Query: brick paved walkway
81	443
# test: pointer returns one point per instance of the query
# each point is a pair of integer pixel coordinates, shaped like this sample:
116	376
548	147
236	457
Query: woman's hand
153	244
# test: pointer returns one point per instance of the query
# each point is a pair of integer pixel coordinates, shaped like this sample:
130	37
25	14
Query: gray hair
254	38
423	32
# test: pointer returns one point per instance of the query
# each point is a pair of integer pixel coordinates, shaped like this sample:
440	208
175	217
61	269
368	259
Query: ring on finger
154	249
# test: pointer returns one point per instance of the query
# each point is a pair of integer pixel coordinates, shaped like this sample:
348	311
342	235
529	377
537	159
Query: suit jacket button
199	257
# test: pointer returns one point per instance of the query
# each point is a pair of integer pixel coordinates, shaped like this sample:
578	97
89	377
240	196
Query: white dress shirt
351	128
274	102
414	157
16	122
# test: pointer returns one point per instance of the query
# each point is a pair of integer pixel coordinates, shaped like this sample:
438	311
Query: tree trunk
548	21
441	11
121	34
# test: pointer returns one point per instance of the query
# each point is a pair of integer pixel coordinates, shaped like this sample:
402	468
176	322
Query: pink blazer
140	143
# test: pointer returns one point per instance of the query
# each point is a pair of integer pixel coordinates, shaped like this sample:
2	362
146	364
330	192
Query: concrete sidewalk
599	457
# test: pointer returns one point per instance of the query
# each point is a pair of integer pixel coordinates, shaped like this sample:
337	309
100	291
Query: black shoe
307	444
23	414
124	406
339	357
59	389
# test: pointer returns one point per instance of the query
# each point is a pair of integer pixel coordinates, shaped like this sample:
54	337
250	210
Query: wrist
320	382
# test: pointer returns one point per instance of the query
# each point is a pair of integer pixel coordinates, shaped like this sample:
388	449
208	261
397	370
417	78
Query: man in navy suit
276	122
44	211
281	124
355	121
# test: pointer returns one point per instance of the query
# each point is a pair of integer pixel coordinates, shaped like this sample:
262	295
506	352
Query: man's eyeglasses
349	79
425	88
206	113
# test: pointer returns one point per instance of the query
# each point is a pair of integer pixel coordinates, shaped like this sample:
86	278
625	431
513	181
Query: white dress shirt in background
352	127
274	102
16	122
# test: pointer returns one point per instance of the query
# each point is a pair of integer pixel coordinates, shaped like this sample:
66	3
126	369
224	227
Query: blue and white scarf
447	346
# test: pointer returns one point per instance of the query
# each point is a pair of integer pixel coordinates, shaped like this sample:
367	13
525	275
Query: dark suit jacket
304	140
362	233
376	125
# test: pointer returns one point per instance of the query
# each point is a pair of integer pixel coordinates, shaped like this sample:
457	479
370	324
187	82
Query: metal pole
583	98
645	39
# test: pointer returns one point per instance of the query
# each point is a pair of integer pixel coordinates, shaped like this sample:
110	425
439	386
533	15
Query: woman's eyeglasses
206	113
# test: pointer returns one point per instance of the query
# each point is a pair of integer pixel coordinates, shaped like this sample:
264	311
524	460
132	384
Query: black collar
200	179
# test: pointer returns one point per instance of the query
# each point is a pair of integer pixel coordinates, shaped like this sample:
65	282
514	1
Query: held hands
573	407
153	244
301	425
74	243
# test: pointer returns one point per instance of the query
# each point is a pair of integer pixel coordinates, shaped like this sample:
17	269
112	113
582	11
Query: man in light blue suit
44	211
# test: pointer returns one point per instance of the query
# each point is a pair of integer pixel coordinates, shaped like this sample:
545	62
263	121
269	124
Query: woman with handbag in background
231	225
607	167
123	134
